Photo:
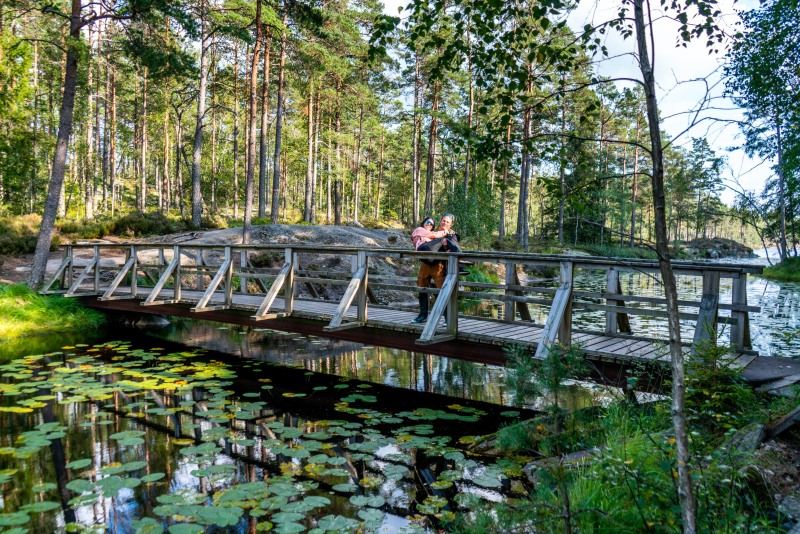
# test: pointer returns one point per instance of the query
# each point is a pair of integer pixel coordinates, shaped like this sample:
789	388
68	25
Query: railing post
134	268
565	328
509	307
615	321
359	261
66	278
176	254
96	268
706	329
288	286
740	329
200	263
243	254
229	277
452	305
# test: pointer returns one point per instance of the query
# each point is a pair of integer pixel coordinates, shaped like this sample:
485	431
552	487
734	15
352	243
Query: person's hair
428	219
450	215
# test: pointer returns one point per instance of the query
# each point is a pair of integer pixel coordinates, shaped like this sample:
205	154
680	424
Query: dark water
150	435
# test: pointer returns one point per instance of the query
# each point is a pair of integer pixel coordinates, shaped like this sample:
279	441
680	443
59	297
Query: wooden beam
221	274
706	329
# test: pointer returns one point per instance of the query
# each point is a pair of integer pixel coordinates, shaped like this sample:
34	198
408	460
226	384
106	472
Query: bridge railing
359	278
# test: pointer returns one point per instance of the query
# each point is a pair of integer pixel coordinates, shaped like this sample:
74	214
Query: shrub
26	312
96	229
18	234
137	224
786	271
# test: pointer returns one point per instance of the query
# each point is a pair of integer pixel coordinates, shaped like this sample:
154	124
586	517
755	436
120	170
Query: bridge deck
484	331
207	275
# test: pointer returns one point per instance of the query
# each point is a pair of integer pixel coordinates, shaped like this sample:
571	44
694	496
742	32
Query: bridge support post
615	321
509	308
290	257
559	320
705	331
356	291
740	330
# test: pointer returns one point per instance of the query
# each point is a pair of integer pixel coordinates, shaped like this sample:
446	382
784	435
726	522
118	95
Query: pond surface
148	435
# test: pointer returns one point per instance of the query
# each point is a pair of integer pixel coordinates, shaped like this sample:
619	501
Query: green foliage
786	271
84	229
137	224
616	251
25	312
477	214
18	234
717	397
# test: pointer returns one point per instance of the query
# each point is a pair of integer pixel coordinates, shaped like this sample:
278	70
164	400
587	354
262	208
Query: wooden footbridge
312	289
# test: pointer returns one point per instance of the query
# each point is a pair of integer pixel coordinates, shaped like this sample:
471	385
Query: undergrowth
25	312
786	271
615	467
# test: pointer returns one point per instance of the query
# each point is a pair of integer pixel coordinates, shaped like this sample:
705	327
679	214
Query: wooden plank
554	319
347	298
706	329
269	299
223	271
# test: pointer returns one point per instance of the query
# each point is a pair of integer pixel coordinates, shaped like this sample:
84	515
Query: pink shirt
423	235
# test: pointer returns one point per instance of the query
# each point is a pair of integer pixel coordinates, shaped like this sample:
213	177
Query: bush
18	234
137	224
96	229
26	312
786	271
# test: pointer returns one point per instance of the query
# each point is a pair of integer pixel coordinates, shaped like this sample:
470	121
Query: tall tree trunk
197	148
88	177
380	177
503	194
782	192
634	185
471	105
252	104
683	456
309	191
337	184
276	174
60	156
415	140
112	144
432	134
262	158
357	164
315	170
143	164
236	129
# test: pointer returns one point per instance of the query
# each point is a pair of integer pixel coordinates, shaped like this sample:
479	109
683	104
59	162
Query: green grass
24	312
786	271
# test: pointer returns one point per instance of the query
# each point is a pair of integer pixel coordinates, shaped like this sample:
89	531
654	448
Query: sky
685	77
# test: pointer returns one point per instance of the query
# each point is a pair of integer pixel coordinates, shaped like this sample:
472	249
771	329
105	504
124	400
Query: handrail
514	295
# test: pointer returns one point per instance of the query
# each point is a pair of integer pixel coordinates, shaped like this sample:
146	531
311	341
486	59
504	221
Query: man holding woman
442	240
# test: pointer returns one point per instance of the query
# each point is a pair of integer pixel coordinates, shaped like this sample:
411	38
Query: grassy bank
786	271
24	312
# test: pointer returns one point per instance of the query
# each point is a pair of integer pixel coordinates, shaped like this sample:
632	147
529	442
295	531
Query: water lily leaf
13	519
186	528
276	502
147	525
287	517
337	522
80	485
441	484
345	488
152	477
289	528
44	486
127	434
221	516
372	516
375	501
42	506
487	481
510	413
395	472
317	501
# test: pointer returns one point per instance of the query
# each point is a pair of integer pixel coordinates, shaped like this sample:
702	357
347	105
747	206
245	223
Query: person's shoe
466	262
420	319
463	272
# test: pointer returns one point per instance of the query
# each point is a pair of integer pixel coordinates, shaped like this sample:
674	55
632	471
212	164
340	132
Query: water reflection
133	437
390	367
